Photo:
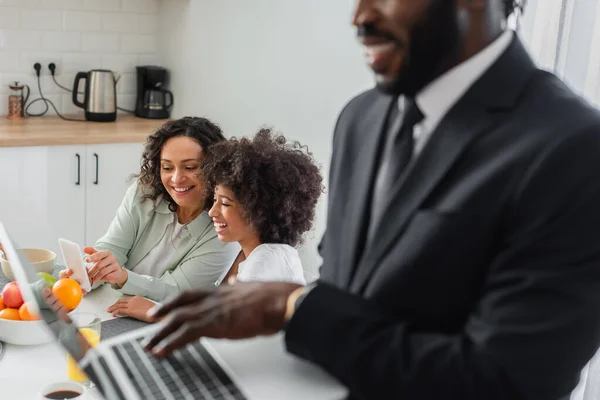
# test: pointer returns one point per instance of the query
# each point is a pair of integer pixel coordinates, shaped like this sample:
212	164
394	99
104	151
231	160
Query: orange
68	292
26	314
10	313
2	307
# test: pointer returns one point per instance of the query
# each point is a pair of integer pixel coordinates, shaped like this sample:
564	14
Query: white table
24	370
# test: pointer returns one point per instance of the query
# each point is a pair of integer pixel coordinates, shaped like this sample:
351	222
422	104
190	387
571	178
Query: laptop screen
42	301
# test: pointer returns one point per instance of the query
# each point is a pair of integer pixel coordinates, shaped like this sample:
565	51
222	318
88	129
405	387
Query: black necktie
396	156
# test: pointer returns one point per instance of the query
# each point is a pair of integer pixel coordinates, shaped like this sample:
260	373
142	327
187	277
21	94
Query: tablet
74	261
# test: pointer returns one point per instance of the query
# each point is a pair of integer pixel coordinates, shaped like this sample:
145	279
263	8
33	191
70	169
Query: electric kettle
99	96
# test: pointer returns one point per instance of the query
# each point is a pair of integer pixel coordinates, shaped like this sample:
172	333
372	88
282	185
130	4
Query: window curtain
563	36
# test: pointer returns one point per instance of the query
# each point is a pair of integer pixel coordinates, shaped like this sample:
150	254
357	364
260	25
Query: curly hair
276	182
511	5
205	132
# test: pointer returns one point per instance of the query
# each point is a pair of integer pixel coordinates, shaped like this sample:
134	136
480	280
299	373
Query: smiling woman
162	240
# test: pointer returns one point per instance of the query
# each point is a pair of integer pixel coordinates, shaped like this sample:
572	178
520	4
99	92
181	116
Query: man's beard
434	44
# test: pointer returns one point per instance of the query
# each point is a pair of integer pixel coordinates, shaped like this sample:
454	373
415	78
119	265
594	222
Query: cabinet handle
96	181
78	169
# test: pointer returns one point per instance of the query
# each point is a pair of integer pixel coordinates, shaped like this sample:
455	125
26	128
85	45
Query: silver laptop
122	369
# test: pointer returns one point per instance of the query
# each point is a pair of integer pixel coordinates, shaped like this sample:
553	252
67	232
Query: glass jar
17	100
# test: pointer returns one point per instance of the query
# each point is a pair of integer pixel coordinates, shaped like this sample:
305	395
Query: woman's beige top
199	260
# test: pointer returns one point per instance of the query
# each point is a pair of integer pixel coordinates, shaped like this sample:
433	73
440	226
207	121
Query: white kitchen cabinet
40	200
73	192
110	168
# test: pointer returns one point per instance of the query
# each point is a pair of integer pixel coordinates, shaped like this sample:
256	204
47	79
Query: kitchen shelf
53	131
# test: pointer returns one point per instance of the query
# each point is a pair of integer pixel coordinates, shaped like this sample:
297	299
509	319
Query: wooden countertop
53	131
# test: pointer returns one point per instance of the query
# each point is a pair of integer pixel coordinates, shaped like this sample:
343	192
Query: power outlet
44	63
52	69
37	69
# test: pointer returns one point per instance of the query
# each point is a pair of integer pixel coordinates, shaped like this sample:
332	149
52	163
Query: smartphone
74	261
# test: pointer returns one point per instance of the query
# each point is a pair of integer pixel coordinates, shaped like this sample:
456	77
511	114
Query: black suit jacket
483	280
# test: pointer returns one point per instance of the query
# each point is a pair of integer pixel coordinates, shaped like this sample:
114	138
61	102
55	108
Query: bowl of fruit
19	325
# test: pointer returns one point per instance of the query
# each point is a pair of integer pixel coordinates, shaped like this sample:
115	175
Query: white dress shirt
434	101
437	98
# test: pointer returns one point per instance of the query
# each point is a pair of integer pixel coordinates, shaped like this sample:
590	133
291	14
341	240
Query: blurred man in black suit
462	252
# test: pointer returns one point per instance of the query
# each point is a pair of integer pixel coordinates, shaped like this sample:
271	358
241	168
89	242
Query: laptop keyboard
189	373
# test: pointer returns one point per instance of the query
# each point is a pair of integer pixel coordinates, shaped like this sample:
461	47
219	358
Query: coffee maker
153	101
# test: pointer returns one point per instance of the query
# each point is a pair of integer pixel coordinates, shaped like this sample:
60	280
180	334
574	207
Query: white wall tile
125	101
121	63
65	79
28	78
61	41
68	78
62	4
20	40
82	21
101	5
120	22
69	109
9	78
27	60
149	59
9	61
140	6
148	23
126	84
21	3
101	42
74	62
9	17
38	107
40	19
139	44
49	88
56	99
77	35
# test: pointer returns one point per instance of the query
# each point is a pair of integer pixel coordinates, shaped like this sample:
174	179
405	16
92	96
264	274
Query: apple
12	296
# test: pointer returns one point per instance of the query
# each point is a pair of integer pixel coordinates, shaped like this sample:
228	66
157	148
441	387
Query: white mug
62	387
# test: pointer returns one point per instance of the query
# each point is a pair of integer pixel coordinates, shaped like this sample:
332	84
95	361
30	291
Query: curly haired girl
265	195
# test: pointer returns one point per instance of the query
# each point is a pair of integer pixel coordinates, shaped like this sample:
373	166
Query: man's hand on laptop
239	311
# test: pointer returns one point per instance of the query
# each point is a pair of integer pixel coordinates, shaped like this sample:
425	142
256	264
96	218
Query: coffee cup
62	390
